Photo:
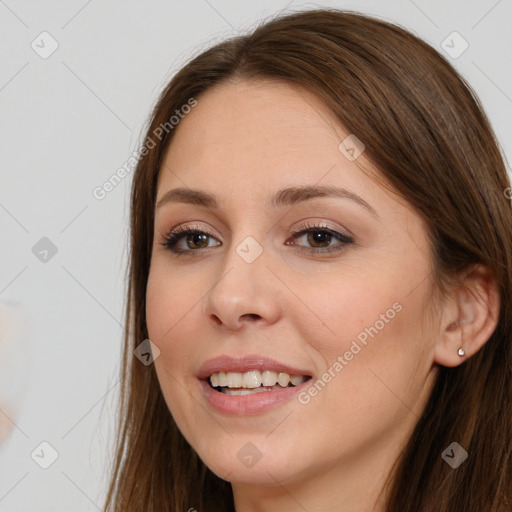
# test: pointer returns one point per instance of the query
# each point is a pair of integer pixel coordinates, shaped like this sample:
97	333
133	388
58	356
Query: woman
321	256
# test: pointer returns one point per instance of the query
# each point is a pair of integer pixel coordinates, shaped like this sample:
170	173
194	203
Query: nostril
216	319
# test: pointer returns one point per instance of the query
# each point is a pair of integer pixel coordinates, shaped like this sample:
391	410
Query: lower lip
256	403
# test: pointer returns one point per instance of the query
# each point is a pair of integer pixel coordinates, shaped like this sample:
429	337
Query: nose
243	292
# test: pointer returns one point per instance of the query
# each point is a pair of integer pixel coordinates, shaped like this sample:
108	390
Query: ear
469	317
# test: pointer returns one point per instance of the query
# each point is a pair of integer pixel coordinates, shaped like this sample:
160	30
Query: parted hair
425	130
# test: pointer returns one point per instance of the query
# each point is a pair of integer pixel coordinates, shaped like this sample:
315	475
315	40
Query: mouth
253	381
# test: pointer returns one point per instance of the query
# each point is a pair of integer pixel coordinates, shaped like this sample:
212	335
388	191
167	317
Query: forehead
246	140
269	118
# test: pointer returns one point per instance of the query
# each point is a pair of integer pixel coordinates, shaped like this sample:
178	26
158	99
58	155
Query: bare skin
331	452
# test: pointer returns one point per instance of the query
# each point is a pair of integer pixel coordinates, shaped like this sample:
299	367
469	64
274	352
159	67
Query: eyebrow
286	197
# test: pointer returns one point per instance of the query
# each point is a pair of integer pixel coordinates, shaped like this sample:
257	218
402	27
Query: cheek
369	383
345	309
172	300
173	311
365	324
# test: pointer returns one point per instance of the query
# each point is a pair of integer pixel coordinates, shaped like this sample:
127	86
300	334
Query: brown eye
319	238
314	238
194	239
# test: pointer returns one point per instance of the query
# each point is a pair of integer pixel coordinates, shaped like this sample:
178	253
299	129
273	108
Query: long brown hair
425	130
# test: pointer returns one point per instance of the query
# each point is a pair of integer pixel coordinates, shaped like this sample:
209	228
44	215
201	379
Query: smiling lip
241	405
246	364
245	405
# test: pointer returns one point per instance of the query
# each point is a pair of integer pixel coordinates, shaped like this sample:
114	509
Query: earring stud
461	352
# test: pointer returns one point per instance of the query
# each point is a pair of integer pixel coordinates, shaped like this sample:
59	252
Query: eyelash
174	236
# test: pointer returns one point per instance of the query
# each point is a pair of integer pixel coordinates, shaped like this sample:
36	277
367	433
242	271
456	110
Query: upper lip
243	364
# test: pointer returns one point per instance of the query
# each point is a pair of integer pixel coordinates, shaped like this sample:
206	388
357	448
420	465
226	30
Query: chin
246	465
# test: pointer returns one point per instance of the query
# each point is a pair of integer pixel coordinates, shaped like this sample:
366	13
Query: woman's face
342	303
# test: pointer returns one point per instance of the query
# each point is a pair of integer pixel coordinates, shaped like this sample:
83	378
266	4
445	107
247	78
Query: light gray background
67	123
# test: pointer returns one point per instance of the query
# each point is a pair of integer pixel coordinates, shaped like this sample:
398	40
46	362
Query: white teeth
297	379
254	379
222	381
283	379
251	379
242	391
234	380
269	378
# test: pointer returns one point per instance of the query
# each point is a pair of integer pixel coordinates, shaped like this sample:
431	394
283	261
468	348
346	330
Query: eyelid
324	224
180	230
342	238
172	237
